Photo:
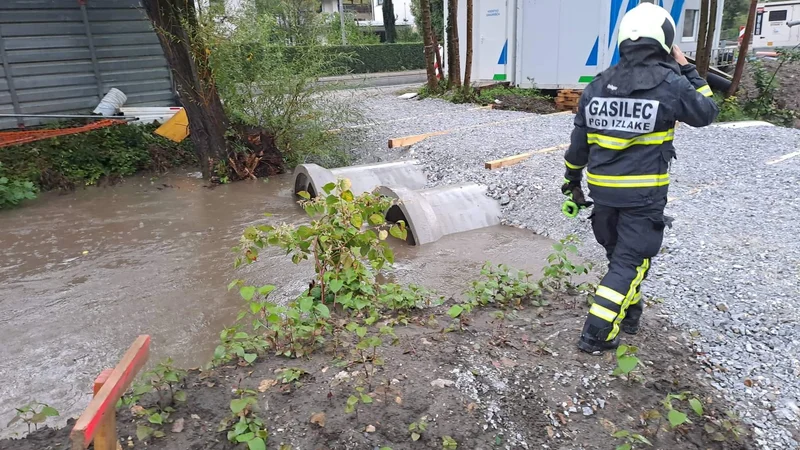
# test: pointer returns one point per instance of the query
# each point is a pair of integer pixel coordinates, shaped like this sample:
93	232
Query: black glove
573	190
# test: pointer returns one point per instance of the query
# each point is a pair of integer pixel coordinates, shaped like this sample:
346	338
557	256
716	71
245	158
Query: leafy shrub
274	88
408	34
84	159
505	287
486	96
730	110
369	58
355	34
12	192
766	105
346	240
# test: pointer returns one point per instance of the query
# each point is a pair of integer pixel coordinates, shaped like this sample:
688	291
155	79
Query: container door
580	39
492	51
794	32
537	44
774	27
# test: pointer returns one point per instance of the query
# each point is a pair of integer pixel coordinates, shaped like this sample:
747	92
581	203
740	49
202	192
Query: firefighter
623	136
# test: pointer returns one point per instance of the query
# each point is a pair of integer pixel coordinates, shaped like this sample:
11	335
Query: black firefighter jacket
625	125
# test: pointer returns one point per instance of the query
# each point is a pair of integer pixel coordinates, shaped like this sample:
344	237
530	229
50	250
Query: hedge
383	57
365	58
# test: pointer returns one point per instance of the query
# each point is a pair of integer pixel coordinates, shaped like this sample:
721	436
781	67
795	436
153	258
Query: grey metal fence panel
60	58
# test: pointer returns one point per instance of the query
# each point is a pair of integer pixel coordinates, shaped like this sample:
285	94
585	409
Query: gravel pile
729	268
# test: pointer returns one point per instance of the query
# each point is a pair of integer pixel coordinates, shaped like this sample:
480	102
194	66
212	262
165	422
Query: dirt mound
537	105
510	380
787	94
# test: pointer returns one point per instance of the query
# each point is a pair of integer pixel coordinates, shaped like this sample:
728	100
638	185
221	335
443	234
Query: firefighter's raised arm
696	105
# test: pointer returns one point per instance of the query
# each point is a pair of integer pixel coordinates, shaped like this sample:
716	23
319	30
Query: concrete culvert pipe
431	214
364	178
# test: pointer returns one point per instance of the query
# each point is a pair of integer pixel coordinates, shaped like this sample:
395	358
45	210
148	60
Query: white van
771	29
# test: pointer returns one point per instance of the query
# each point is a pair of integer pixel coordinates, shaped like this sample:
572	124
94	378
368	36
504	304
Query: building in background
559	44
370	12
772	28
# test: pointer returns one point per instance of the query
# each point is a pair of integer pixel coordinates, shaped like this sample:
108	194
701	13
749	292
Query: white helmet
648	21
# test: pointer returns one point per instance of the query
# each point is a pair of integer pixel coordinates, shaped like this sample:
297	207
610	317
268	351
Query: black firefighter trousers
631	237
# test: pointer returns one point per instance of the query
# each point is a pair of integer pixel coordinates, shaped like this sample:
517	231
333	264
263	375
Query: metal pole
92	50
341	21
69	116
10	80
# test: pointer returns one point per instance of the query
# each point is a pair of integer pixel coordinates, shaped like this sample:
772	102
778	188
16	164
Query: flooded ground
82	274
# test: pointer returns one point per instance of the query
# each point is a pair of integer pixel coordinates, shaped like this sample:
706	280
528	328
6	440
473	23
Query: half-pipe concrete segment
364	178
433	213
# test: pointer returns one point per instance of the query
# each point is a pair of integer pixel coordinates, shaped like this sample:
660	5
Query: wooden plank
106	436
783	158
507	161
105	401
516	159
411	140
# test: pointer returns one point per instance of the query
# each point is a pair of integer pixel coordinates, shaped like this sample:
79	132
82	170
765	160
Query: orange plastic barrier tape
8	138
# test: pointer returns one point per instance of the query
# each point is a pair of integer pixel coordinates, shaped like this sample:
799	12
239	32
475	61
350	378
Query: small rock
195	417
587	411
722	307
266	384
342	376
177	427
505	199
319	419
440	383
370	429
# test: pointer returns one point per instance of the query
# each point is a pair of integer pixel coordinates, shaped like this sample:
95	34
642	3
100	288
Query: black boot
592	346
590	343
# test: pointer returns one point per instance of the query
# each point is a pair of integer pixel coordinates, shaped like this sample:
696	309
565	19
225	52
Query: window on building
777	16
690	17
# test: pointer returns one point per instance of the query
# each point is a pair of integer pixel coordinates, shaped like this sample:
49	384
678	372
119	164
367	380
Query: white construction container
558	44
772	29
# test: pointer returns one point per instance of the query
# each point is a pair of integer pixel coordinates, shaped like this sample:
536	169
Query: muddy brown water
82	274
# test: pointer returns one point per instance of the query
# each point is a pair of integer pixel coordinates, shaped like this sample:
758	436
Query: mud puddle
81	275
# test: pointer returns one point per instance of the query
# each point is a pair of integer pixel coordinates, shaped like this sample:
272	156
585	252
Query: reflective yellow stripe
610	294
627	181
573	166
603	312
636	298
640	271
614	143
706	91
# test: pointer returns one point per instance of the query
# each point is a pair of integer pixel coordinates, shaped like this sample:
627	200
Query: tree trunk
453	50
427	38
190	68
712	29
468	63
388	21
700	54
743	49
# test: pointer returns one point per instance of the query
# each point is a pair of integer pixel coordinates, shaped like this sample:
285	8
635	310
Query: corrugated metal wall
61	56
